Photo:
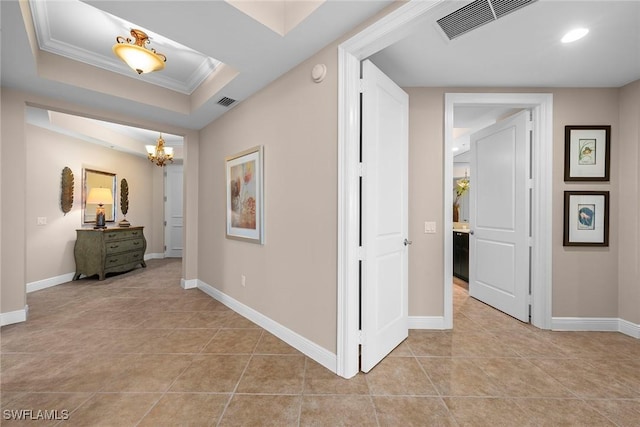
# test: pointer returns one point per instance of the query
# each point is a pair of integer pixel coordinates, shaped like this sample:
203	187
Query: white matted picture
245	196
586	218
586	153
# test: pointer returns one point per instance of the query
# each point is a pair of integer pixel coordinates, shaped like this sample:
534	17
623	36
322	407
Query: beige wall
292	277
585	279
12	184
49	250
426	257
628	149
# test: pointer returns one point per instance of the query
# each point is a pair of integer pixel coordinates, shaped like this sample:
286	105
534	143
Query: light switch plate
429	227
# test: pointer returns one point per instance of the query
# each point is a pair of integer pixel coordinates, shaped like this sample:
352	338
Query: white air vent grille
505	7
225	102
476	14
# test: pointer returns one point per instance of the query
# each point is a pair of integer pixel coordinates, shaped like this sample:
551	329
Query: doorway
497	240
541	153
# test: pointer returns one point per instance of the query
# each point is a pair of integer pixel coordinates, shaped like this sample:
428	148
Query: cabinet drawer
121	234
122	259
116	246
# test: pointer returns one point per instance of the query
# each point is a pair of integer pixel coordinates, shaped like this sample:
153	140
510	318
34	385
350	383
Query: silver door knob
407	242
471	232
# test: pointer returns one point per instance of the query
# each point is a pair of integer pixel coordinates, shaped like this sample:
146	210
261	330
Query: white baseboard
189	284
153	256
302	344
426	322
628	328
50	282
602	324
14	316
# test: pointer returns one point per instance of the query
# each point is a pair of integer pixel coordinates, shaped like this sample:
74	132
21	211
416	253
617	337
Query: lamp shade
100	196
140	60
136	56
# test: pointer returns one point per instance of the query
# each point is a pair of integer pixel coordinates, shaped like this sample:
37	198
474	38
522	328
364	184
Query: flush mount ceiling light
136	55
575	34
159	154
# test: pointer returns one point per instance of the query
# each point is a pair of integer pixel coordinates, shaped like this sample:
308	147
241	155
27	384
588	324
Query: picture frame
586	218
587	153
96	178
245	195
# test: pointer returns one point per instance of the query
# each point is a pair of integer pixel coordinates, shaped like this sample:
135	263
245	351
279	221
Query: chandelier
136	56
159	154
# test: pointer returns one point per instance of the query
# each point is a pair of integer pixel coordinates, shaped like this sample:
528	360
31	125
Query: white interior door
173	211
385	115
500	215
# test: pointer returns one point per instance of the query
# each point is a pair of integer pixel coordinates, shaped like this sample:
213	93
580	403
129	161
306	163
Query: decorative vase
456	212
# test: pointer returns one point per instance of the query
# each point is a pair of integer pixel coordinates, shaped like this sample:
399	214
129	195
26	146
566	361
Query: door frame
372	39
541	106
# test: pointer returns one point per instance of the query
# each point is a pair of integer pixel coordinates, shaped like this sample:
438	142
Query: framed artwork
586	153
245	196
586	218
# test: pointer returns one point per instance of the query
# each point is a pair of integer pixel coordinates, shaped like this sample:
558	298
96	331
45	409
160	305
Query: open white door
500	215
384	300
173	211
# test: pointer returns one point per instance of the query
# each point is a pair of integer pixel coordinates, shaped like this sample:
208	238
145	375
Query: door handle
471	232
407	242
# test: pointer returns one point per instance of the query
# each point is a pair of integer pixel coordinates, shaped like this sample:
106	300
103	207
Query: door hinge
165	223
360	337
529	300
361	86
360	253
165	198
360	169
165	248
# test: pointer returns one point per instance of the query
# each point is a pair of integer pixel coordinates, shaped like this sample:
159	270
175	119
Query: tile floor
137	350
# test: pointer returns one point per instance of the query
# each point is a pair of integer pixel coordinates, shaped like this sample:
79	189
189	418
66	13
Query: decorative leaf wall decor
66	194
124	197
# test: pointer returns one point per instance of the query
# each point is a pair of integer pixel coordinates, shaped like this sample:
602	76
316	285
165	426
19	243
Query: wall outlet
41	220
429	227
243	280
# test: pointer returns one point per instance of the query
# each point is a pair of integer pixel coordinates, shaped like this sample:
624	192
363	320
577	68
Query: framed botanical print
586	153
245	196
586	218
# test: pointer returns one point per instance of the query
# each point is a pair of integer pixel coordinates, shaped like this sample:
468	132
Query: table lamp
100	196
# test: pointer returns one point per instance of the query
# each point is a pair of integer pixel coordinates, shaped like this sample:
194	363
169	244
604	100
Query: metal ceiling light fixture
159	154
136	55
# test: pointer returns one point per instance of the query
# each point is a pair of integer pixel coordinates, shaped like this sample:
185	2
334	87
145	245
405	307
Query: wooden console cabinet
109	250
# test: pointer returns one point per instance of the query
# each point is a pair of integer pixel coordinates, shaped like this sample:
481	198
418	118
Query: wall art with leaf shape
66	190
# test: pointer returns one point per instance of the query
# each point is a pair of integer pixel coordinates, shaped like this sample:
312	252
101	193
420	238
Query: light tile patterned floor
137	350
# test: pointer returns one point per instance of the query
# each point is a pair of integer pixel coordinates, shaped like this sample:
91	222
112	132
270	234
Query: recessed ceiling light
575	34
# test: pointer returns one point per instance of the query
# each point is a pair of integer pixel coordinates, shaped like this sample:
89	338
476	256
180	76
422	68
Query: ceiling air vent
225	102
476	14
